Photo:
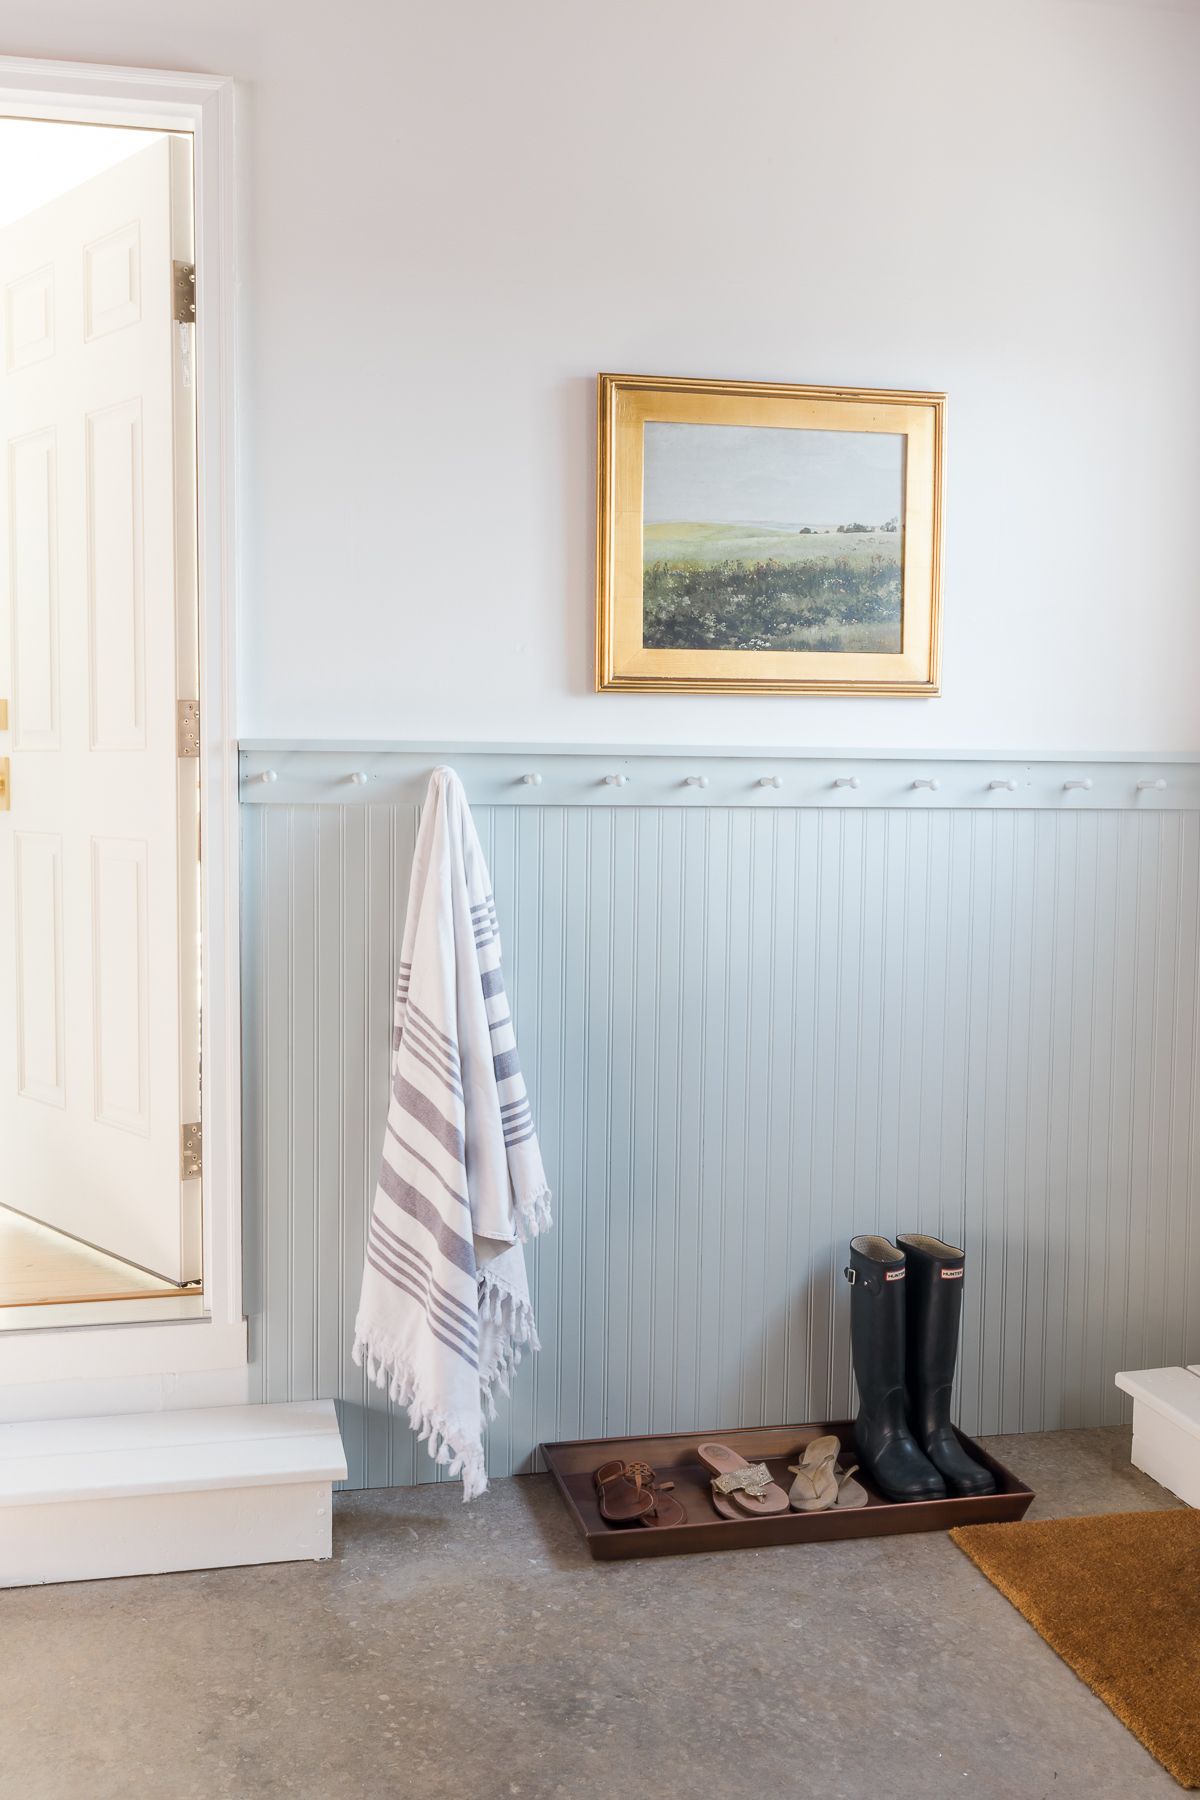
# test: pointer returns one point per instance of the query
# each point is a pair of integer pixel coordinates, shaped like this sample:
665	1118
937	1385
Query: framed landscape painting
756	537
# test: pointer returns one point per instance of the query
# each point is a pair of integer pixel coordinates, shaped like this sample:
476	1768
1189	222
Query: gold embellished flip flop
740	1489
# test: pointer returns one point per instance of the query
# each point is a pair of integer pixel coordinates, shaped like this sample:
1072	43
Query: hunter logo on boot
894	1275
951	1274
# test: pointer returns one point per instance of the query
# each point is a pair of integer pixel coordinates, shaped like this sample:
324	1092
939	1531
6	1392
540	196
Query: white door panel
29	315
40	1010
99	1030
33	594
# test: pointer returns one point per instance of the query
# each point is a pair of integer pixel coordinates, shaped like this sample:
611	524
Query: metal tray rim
710	1533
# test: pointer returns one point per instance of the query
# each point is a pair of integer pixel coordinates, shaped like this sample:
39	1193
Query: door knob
5	789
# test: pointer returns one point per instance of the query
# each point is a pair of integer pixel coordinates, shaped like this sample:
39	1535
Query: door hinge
183	291
187	720
190	1146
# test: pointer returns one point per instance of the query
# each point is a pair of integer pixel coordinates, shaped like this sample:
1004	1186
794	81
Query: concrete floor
478	1653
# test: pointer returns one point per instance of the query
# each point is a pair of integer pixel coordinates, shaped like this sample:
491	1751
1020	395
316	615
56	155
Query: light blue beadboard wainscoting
755	1019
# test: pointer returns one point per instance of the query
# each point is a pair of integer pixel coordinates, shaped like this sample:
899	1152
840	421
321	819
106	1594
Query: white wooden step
144	1493
1166	1426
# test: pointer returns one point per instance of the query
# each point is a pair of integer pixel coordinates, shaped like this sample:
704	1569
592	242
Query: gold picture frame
781	594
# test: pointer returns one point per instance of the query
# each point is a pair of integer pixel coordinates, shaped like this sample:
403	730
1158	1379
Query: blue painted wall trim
749	1033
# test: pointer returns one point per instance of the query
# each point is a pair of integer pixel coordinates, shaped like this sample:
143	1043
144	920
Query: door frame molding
203	105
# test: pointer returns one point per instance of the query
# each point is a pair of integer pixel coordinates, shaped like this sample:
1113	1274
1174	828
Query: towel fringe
449	1444
511	1313
533	1213
511	1319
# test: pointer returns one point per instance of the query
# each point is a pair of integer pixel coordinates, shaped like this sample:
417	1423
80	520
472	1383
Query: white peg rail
311	773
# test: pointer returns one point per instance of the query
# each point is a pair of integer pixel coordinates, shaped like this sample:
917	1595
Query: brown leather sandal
667	1509
621	1497
632	1494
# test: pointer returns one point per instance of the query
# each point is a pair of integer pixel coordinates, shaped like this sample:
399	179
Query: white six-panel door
99	1000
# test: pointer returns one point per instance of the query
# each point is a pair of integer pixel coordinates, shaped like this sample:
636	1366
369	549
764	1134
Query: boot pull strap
869	1283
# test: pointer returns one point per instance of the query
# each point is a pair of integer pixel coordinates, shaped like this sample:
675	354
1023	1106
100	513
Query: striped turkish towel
445	1308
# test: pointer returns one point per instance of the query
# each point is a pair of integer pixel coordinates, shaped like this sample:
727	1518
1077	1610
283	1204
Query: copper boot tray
674	1457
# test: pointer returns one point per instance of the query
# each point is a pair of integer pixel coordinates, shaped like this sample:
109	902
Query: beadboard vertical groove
748	1034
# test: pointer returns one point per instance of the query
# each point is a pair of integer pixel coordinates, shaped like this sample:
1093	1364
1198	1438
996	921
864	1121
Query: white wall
457	214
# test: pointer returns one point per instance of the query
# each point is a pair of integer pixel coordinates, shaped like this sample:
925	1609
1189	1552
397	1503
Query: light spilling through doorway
100	1124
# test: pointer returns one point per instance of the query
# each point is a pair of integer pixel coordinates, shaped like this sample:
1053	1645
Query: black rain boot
886	1447
935	1278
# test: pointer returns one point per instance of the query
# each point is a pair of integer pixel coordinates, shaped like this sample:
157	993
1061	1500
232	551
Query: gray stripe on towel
468	1353
425	1019
426	1164
423	1109
402	1271
470	1319
412	1201
432	1046
413	1049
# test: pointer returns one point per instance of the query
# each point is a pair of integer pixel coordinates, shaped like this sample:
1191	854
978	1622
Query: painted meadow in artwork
764	538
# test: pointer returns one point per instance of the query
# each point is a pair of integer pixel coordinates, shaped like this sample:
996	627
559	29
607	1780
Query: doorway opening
100	954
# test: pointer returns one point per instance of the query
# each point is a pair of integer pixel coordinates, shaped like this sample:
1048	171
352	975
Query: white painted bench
143	1493
1166	1427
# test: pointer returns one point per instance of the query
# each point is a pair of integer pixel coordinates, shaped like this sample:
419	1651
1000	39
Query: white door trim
204	105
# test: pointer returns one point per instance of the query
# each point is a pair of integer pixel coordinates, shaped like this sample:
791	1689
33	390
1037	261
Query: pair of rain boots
905	1308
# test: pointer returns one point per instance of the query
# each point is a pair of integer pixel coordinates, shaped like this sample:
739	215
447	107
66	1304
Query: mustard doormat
1118	1597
